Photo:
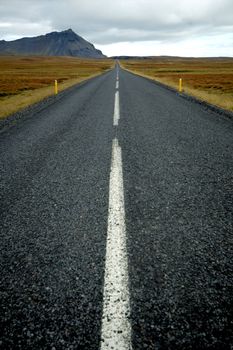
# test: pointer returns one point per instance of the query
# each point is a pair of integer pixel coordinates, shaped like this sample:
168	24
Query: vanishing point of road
116	222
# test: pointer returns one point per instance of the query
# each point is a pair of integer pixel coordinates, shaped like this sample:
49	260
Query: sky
128	27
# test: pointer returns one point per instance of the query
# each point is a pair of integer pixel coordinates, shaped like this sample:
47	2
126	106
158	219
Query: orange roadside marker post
55	87
180	85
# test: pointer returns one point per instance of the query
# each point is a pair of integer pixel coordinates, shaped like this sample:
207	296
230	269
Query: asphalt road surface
116	222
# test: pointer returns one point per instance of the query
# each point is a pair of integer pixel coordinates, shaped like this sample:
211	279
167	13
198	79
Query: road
116	222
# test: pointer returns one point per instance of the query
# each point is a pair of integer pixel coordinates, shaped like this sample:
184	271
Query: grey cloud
104	21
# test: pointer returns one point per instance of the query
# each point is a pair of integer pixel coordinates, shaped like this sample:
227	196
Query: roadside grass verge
27	80
208	79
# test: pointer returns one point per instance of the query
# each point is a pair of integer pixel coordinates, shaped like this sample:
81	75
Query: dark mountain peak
64	43
62	33
69	31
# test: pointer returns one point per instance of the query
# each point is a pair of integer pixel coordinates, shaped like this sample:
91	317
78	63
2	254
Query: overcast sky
128	27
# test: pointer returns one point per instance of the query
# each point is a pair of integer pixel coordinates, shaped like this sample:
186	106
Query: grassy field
27	80
208	79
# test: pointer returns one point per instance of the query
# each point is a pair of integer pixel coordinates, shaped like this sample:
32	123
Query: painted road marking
116	327
116	115
117	85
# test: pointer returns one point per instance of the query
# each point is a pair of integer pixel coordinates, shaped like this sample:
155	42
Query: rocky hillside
65	43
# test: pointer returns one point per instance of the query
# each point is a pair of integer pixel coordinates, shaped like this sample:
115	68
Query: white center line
117	84
116	115
116	327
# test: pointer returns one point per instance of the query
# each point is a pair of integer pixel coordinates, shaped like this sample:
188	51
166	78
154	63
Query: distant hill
65	43
169	58
131	57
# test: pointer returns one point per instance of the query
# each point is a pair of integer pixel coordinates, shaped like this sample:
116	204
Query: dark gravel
178	177
54	201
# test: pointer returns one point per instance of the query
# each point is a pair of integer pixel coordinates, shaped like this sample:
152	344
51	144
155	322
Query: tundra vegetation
209	79
27	80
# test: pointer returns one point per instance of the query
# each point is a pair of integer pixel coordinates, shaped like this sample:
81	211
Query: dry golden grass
208	79
27	80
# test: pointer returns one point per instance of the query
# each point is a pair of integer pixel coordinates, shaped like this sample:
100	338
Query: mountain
65	43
